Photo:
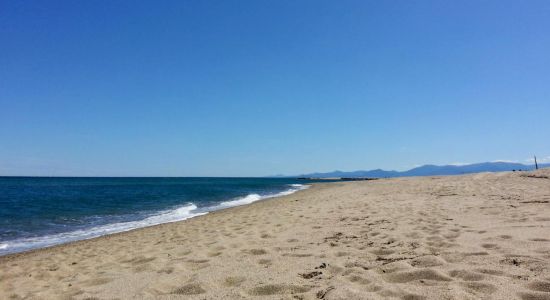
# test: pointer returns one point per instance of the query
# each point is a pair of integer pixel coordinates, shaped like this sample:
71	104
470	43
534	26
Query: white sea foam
241	201
256	197
167	216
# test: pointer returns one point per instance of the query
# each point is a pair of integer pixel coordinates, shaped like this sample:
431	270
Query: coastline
177	213
453	237
76	242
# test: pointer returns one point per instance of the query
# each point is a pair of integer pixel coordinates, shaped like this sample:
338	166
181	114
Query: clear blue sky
251	88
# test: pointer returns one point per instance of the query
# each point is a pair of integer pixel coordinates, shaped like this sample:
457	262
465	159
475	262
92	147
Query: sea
38	212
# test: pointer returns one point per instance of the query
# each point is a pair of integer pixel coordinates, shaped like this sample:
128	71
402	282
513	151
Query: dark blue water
40	212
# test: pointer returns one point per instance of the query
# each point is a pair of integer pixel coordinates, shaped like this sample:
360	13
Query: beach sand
481	236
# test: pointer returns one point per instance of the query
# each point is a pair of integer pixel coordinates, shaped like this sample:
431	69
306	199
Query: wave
167	216
256	197
173	215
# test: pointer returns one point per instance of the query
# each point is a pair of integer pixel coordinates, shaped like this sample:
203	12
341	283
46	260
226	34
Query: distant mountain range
430	170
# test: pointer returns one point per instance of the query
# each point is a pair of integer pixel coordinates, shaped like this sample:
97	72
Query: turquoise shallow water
39	212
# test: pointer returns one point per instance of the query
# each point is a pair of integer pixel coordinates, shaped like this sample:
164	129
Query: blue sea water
38	212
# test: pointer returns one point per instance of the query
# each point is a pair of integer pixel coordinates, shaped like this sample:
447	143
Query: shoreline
70	243
449	237
236	202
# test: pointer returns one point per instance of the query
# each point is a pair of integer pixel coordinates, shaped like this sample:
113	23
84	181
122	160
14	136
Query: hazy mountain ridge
430	170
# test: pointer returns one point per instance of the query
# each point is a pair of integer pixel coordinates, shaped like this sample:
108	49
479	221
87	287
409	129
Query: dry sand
483	236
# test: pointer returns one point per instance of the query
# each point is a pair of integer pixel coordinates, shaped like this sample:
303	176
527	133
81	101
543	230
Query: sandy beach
481	236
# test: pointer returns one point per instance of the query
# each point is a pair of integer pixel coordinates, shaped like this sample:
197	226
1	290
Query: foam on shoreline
250	198
180	213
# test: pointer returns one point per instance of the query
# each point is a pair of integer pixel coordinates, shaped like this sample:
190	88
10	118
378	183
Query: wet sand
481	236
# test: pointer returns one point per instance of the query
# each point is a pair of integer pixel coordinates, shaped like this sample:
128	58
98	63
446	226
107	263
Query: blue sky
252	88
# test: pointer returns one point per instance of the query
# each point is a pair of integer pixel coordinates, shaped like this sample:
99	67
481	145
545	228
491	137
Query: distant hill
431	170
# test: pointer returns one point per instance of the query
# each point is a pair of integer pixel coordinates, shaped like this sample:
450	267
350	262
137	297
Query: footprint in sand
489	246
197	264
276	289
534	296
189	289
297	254
165	270
358	279
265	262
383	251
341	253
413	297
139	260
408	276
393	267
255	251
427	261
466	275
479	287
234	280
490	272
96	281
539	286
